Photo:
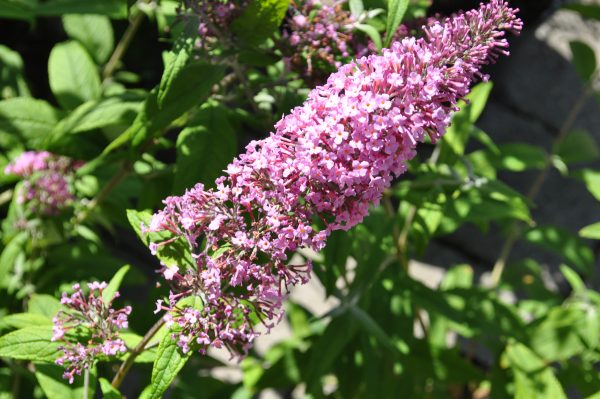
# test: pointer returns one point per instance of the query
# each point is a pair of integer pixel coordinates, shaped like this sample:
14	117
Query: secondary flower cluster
316	37
94	318
214	18
326	162
46	186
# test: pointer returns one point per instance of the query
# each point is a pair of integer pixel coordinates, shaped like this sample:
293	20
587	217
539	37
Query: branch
135	352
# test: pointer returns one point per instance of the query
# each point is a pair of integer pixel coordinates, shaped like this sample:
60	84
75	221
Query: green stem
516	230
135	352
123	44
86	383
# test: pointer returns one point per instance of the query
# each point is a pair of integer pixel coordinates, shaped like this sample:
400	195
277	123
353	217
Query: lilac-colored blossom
46	180
324	165
214	18
317	37
92	317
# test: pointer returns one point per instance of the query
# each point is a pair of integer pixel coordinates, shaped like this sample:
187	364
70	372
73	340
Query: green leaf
114	284
590	11
372	328
204	149
148	355
372	32
591	179
72	74
10	253
108	392
573	278
557	336
592	231
578	146
259	20
18	9
54	386
12	81
584	59
56	8
460	276
458	133
515	157
533	378
169	361
356	8
563	243
396	11
44	305
491	200
177	253
176	60
111	111
327	349
26	120
22	320
93	31
30	343
190	87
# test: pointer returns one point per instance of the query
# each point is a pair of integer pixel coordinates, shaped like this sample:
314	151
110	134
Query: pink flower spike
321	169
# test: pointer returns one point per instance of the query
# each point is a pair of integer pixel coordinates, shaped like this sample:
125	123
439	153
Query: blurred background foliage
117	84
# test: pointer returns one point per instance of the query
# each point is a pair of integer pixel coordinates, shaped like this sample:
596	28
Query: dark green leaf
73	75
590	11
578	146
327	348
178	58
18	9
396	11
259	21
12	81
204	149
584	59
189	88
30	343
94	32
111	8
9	255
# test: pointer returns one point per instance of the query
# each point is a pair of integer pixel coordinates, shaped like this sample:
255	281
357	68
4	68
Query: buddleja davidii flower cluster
326	162
215	17
46	180
94	318
316	37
